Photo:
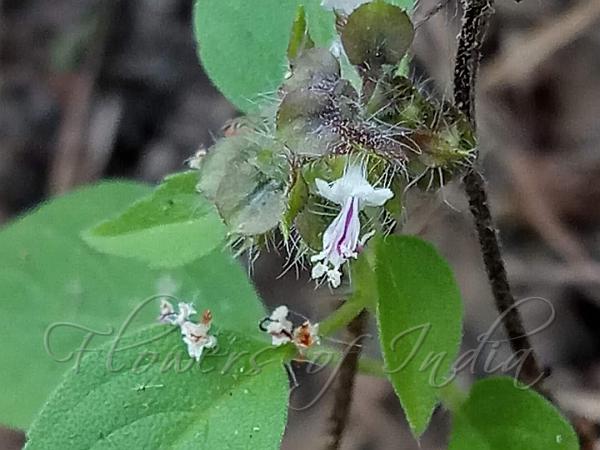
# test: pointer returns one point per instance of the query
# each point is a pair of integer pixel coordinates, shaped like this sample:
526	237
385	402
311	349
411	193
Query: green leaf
133	398
243	44
377	33
299	38
499	415
48	275
420	320
170	228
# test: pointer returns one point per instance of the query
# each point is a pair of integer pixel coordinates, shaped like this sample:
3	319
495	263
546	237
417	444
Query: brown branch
345	383
494	264
474	25
468	56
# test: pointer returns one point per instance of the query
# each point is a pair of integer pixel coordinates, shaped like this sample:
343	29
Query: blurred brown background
104	88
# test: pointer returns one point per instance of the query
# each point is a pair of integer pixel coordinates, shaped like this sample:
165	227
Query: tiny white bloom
196	336
278	326
167	312
307	335
341	240
185	311
345	6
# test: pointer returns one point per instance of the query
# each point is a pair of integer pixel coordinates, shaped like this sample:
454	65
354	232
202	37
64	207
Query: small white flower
345	6
307	335
185	311
341	240
278	326
167	312
196	336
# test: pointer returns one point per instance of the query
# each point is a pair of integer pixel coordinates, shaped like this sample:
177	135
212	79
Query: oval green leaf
498	415
52	283
377	33
420	322
146	392
243	44
170	228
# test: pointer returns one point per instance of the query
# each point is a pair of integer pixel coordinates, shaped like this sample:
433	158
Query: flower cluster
195	335
282	330
341	240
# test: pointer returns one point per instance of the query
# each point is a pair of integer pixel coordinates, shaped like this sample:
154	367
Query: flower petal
324	189
376	197
334	276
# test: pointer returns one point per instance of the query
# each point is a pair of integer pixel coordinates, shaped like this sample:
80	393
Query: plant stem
345	383
474	184
341	317
468	55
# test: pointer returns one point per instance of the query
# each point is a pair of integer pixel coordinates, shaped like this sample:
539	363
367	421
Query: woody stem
344	385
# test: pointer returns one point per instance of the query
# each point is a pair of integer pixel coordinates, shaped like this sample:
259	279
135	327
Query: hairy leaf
498	415
420	321
377	33
170	228
243	44
146	392
53	284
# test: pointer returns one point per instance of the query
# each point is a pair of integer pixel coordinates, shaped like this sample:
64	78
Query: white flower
341	240
185	311
306	335
345	6
167	312
278	326
196	336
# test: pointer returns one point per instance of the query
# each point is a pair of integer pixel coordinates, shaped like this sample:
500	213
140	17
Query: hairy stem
474	25
345	383
492	257
468	55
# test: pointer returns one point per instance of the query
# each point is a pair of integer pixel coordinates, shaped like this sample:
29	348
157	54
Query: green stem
342	316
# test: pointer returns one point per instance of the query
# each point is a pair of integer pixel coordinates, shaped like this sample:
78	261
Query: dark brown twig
345	383
468	55
473	28
494	264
